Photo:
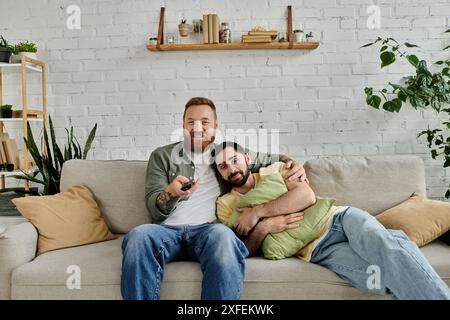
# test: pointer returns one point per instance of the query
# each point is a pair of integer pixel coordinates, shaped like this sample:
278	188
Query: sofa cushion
100	266
67	219
118	187
423	220
374	183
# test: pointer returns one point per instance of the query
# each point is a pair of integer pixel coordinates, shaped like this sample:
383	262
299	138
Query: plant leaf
413	59
387	58
410	45
367	45
374	101
89	140
389	106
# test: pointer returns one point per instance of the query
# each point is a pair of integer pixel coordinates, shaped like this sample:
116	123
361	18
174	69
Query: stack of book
9	152
210	27
31	113
259	36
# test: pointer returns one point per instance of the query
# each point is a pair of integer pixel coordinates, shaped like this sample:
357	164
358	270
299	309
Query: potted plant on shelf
183	27
298	33
6	111
27	49
5	50
152	40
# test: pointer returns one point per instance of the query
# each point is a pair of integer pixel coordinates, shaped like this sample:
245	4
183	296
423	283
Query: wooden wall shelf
290	44
232	46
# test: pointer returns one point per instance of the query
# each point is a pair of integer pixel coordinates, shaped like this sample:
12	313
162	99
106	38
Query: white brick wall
103	73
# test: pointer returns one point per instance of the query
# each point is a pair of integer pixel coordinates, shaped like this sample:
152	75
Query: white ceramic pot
298	36
17	58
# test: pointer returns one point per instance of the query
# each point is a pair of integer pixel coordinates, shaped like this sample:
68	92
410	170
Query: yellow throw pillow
66	219
423	220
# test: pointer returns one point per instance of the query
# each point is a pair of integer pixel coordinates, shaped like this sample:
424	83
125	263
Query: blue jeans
147	248
378	260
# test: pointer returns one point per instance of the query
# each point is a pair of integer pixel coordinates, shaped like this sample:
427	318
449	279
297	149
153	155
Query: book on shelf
9	152
12	155
31	113
210	29
256	39
3	136
263	33
3	158
211	23
205	29
215	28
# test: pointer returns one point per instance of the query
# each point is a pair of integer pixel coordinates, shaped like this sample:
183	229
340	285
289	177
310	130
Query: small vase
298	36
184	29
6	113
17	58
5	54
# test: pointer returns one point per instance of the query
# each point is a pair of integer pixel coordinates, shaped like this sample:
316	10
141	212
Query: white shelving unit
27	65
17	67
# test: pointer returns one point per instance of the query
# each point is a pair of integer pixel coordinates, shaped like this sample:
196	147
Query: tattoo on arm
167	202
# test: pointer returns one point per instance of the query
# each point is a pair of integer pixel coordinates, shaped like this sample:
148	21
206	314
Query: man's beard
241	182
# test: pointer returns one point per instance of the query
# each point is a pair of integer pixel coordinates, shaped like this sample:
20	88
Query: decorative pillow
287	243
66	219
423	220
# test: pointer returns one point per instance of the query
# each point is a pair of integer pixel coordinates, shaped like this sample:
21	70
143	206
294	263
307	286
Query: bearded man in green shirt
181	188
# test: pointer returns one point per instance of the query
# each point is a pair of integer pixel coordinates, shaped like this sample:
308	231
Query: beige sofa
371	183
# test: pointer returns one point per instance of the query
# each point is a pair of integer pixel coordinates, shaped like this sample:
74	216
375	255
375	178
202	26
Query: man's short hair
227	144
197	101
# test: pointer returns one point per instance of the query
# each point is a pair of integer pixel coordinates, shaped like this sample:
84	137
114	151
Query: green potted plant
152	40
6	111
424	88
5	50
298	33
183	28
50	164
21	49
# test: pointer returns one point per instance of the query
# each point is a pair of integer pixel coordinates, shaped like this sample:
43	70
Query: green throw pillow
287	243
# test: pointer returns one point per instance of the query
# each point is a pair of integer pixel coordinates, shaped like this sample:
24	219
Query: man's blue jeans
147	248
378	260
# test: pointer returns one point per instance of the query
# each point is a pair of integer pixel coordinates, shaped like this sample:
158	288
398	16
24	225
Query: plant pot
5	54
298	36
6	113
184	29
17	58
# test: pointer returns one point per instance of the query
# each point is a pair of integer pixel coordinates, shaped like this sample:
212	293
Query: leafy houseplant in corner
183	28
21	49
298	33
6	111
49	164
421	90
5	50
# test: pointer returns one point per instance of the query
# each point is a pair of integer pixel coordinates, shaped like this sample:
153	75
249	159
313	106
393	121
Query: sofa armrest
18	245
